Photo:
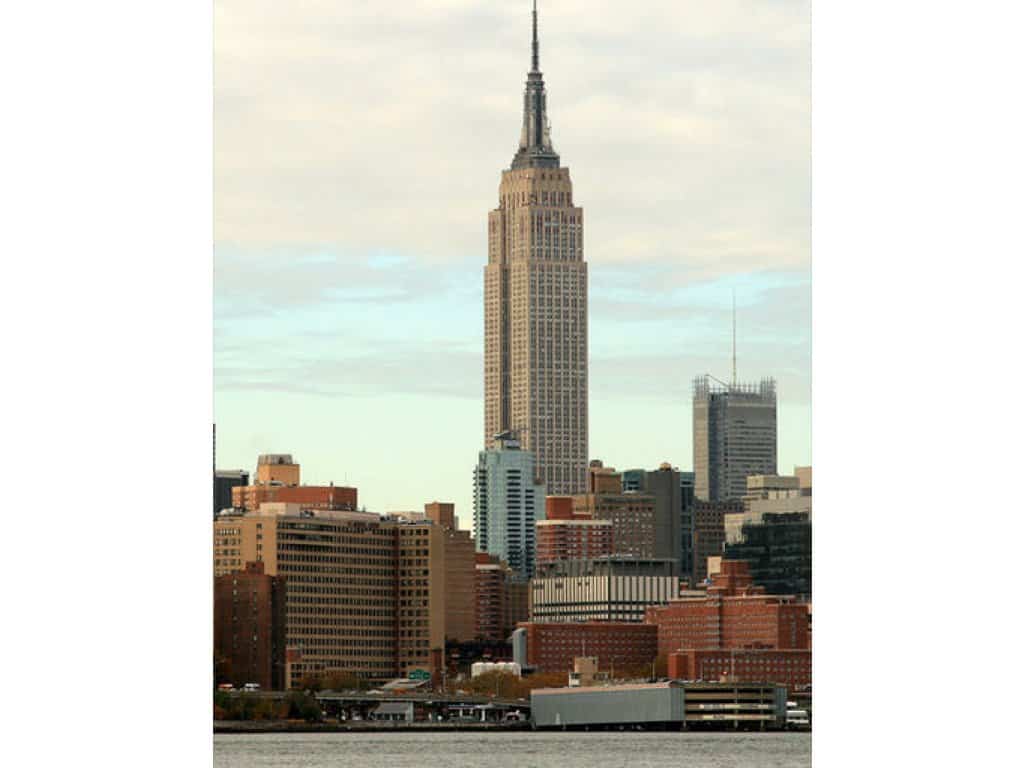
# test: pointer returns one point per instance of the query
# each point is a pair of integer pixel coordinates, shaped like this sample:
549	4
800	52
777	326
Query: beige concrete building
603	589
364	593
770	494
803	474
422	600
459	584
535	305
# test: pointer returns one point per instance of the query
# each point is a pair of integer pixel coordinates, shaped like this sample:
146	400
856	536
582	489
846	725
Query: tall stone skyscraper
535	305
734	436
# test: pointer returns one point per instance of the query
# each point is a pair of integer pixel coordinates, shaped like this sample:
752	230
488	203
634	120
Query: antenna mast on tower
535	60
734	337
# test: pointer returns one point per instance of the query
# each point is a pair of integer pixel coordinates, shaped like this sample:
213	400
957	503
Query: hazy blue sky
358	149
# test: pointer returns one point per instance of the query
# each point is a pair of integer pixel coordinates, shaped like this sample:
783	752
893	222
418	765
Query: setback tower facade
535	305
734	436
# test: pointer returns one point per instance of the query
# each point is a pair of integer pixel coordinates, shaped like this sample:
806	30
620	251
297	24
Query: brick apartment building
631	514
569	535
618	646
502	598
249	627
735	614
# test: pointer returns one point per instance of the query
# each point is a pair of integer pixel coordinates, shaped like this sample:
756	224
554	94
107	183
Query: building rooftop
573	521
607	688
289	509
707	386
275	458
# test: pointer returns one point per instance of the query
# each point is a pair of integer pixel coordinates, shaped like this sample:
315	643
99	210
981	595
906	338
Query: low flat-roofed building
619	647
789	667
643	703
667	705
394	711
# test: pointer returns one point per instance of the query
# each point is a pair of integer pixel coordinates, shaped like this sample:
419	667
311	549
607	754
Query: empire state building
535	304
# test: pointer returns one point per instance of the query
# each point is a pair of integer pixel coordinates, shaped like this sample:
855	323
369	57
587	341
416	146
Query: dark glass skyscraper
779	552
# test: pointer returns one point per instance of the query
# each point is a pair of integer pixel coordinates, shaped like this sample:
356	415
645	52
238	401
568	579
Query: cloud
296	324
385	125
442	369
359	147
273	280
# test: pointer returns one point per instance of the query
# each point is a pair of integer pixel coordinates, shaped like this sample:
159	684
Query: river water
521	749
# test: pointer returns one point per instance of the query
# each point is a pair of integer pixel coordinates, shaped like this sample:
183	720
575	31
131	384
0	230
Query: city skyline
348	328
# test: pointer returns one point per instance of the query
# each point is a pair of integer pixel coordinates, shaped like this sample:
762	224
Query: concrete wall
625	704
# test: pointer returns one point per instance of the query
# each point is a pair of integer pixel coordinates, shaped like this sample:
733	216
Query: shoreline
291	726
363	726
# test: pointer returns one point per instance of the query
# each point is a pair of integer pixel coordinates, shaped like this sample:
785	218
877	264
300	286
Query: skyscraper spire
536	45
535	149
535	360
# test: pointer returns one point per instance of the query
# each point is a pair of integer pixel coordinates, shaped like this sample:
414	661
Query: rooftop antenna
734	337
536	46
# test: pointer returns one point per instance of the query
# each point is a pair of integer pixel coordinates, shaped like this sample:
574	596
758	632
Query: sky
358	149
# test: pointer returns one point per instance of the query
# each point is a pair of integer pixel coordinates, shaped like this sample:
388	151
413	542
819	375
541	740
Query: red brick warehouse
618	645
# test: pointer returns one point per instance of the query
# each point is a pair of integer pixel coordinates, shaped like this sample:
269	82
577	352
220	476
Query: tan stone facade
364	593
422	602
535	308
459	585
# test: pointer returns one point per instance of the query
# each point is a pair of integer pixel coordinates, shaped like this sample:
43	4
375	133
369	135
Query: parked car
251	687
